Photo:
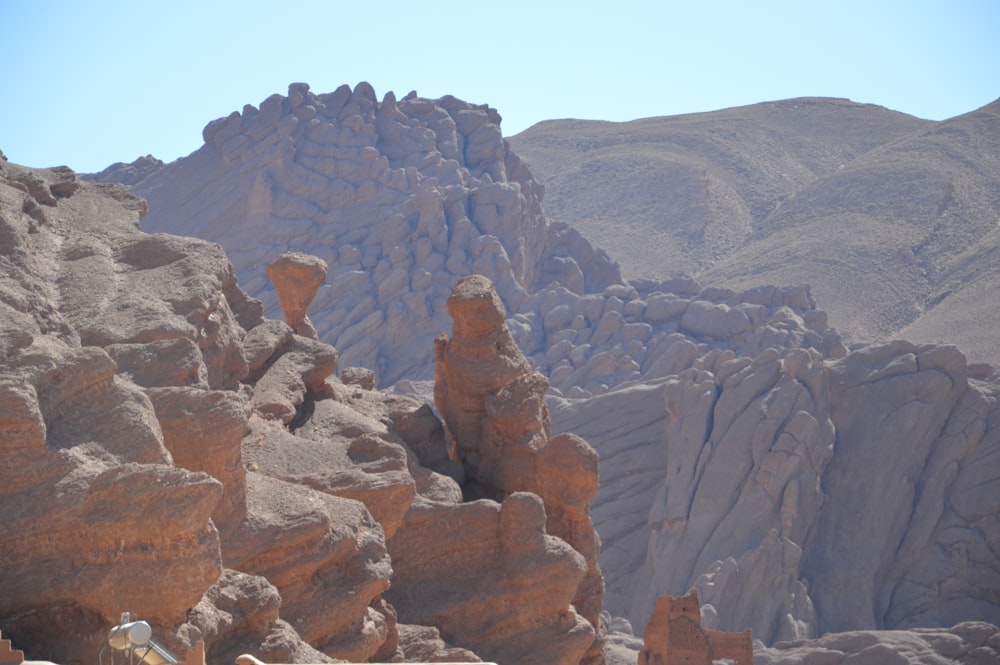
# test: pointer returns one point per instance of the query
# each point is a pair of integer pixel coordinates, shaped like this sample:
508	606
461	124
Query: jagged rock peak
403	197
400	198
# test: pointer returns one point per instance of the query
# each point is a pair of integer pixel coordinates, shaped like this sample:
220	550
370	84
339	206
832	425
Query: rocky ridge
401	198
174	453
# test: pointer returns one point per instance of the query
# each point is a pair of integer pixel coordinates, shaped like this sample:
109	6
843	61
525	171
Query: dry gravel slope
891	219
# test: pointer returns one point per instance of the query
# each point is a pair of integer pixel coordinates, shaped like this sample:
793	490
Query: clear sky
91	83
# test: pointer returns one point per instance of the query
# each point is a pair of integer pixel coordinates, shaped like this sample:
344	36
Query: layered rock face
88	479
125	410
801	495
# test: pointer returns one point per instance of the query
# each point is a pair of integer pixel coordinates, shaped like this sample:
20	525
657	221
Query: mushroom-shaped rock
296	278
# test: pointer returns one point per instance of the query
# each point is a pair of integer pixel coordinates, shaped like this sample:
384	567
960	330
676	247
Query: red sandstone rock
491	580
324	554
494	410
296	277
237	611
106	491
213	446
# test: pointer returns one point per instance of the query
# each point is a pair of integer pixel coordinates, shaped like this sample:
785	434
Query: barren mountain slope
888	217
677	193
897	235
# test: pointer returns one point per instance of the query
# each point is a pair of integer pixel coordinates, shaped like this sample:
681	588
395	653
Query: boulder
506	593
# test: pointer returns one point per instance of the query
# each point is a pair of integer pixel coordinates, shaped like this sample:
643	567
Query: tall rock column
497	422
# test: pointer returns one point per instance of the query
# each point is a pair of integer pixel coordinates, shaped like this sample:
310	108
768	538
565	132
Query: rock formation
296	278
497	423
491	579
760	475
172	452
401	198
97	515
967	643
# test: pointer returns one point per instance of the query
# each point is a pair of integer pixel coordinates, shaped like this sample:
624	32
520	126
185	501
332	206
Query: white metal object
130	635
135	640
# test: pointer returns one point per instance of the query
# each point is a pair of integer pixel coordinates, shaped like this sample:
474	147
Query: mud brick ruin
674	636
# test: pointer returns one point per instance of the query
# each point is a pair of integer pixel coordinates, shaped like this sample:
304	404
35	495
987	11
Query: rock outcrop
491	579
399	197
88	480
497	424
296	278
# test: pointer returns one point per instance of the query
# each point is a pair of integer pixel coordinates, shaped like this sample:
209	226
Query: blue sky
91	83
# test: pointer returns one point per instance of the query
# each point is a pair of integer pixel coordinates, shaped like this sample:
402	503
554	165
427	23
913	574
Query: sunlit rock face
172	452
126	398
98	515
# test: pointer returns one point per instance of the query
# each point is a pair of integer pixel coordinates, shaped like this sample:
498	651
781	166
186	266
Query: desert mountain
743	451
403	197
893	221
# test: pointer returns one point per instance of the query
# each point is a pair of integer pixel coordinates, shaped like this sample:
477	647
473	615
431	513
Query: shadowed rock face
756	484
399	197
742	447
967	642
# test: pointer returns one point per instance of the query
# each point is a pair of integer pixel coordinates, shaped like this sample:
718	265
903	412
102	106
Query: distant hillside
891	219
